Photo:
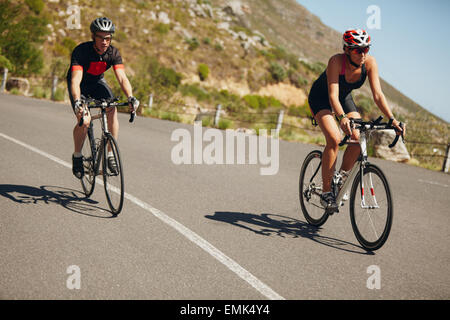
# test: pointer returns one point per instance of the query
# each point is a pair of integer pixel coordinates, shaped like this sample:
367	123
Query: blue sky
412	46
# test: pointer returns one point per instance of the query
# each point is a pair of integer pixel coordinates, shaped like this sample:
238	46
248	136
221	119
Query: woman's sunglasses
361	50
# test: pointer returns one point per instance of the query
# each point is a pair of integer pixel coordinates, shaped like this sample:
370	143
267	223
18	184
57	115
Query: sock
77	154
110	154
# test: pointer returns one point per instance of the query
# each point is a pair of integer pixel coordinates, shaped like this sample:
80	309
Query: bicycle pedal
331	211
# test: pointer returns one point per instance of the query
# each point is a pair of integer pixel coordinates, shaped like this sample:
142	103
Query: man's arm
77	76
123	81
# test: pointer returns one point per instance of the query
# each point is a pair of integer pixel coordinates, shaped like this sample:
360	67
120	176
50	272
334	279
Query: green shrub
193	43
317	67
162	76
297	79
120	36
218	47
365	104
170	116
35	5
277	72
280	53
195	91
207	121
40	93
252	101
203	71
162	28
225	124
59	95
260	103
300	111
15	91
69	43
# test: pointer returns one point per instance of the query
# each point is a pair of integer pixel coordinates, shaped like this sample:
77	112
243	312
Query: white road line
189	234
434	183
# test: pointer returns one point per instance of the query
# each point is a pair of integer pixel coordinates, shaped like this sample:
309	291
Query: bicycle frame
97	151
359	166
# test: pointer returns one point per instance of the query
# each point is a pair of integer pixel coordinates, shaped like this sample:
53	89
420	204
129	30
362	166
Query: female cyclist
331	93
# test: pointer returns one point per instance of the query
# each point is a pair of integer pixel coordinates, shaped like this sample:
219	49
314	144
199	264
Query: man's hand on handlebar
133	103
78	108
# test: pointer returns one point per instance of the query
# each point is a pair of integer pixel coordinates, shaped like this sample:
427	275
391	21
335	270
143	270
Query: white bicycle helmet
102	24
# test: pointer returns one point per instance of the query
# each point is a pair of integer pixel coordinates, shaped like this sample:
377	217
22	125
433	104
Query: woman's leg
352	151
328	125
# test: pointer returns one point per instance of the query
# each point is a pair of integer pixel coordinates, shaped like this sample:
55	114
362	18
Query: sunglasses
107	38
361	50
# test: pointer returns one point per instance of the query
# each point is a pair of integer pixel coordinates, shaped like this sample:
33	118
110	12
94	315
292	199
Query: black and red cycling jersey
84	57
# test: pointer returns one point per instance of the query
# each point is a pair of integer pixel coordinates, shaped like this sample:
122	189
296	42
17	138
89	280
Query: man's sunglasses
107	38
361	50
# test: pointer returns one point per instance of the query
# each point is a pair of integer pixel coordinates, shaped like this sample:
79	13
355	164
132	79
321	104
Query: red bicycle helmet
353	38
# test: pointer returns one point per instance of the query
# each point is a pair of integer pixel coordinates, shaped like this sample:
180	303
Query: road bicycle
96	150
371	213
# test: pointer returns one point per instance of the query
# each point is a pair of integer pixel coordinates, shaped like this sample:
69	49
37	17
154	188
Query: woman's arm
377	93
333	69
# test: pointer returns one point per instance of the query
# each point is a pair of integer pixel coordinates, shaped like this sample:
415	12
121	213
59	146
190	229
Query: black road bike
371	204
103	150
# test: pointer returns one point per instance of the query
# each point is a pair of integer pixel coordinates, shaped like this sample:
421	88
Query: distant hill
288	24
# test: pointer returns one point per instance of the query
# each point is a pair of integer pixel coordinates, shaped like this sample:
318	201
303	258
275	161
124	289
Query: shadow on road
70	199
267	224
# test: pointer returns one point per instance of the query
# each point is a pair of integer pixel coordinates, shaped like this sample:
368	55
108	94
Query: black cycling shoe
112	165
329	203
77	167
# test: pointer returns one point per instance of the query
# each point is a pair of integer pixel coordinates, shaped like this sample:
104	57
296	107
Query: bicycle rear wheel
310	189
88	180
371	213
113	181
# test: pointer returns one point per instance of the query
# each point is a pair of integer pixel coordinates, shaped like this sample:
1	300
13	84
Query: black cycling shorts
95	90
317	105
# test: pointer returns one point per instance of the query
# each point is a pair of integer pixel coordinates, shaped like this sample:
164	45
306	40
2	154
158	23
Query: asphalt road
197	231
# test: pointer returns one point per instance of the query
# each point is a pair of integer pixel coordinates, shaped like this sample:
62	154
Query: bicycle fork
372	192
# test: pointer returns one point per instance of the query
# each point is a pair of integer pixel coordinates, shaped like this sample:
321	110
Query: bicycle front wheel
310	189
88	180
113	175
371	213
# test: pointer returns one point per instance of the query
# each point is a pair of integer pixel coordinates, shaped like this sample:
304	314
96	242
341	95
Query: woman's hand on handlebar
400	128
346	126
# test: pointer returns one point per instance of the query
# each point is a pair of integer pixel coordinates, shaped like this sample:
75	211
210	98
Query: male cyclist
85	78
331	92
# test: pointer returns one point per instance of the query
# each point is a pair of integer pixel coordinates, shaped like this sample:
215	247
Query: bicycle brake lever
376	122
